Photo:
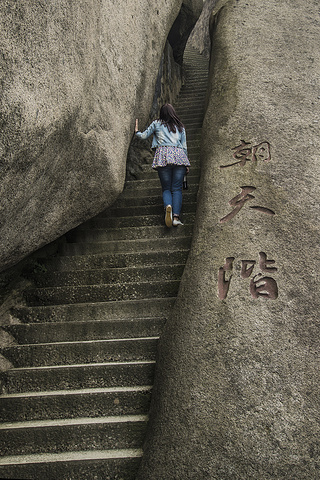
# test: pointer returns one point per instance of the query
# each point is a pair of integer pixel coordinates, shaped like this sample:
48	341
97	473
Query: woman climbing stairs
75	403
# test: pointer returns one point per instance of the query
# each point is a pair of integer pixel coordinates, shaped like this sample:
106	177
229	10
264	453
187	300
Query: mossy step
71	435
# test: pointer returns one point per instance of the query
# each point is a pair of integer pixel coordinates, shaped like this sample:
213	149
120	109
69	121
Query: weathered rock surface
74	77
200	37
237	393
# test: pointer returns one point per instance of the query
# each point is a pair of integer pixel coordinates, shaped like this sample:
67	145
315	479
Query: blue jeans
171	178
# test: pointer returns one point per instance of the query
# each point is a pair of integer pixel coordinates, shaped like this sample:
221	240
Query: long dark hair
169	118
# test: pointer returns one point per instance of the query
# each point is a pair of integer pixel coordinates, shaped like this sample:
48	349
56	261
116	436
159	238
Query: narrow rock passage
76	403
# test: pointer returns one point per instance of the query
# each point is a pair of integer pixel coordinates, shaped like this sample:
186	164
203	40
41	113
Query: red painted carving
223	284
263	263
268	211
265	287
261	151
246	272
247	152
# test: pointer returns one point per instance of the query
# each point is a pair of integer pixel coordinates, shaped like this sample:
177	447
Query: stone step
194	80
91	351
101	293
186	114
105	464
71	435
192	121
146	190
193	151
91	312
173	242
199	58
190	77
129	211
148	173
194	134
197	91
74	377
189	91
152	187
189	116
110	275
83	331
198	110
137	201
134	221
142	186
117	260
71	403
121	246
195	103
128	233
200	78
193	69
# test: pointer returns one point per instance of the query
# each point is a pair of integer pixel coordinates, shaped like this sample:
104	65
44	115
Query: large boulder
237	387
74	75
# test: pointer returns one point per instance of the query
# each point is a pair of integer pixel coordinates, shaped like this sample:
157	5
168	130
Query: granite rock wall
74	75
200	36
237	386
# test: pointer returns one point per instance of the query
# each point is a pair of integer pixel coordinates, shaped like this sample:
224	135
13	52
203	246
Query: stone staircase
75	404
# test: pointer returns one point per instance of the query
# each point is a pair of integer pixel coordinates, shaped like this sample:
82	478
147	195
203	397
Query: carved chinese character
246	152
260	286
223	284
261	151
263	263
265	287
246	272
238	202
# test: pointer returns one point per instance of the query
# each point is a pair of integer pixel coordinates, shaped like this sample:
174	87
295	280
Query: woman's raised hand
136	128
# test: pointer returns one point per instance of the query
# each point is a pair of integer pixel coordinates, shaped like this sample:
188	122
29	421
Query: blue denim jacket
162	137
